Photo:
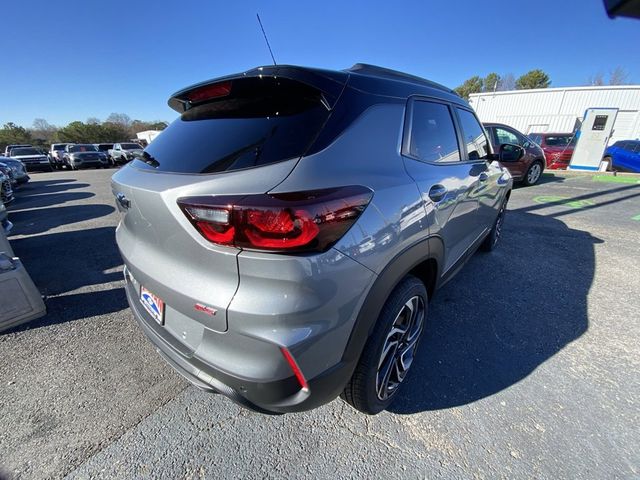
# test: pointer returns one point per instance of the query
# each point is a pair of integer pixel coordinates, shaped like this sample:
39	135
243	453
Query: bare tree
43	131
507	82
93	121
596	80
619	76
120	119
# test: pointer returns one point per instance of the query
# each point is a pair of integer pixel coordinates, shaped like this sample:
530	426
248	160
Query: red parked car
558	148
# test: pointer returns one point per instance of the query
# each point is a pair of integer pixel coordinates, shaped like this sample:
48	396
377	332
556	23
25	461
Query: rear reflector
292	222
295	368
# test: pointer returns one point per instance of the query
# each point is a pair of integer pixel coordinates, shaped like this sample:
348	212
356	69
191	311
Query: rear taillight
299	221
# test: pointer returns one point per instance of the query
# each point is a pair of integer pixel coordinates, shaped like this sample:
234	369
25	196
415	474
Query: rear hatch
238	135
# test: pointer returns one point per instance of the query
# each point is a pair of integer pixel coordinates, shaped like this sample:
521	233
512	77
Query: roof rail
381	72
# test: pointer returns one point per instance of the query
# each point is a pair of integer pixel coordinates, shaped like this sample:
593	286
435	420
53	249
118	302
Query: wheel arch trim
431	248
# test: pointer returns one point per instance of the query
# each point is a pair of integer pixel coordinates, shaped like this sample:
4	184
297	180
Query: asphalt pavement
530	366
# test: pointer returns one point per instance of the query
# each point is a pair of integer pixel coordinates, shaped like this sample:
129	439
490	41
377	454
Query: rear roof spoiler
329	82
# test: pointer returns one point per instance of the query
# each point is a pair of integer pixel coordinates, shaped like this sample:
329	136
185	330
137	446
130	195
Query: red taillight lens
209	92
299	221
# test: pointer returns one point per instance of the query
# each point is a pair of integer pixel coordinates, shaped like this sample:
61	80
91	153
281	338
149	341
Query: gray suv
283	237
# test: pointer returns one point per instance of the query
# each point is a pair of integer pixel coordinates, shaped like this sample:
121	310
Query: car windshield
24	151
130	146
59	147
568	140
82	148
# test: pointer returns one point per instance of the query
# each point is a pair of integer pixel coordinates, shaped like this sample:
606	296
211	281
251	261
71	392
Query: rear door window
261	121
433	135
474	137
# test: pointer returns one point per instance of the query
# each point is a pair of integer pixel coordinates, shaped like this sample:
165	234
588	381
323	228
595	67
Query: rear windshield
59	146
560	140
262	121
105	146
130	146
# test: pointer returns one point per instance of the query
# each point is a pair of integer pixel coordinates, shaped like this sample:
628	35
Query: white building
148	135
561	110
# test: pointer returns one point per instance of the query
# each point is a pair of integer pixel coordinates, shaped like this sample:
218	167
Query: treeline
532	79
496	83
118	127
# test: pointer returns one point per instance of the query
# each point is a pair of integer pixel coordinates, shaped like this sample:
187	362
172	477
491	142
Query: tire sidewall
407	288
526	175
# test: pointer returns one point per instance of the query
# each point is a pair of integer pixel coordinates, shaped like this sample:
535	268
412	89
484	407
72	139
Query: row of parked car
553	151
12	174
73	155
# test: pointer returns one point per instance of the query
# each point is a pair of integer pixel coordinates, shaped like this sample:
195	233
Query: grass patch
615	179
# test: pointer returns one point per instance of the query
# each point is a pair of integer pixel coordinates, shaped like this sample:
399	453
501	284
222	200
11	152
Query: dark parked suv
528	169
283	237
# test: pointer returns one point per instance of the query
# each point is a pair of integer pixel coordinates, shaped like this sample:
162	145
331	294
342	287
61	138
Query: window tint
560	140
473	135
261	121
433	136
505	136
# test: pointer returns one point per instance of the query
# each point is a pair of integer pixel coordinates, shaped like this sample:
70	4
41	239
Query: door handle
437	192
483	177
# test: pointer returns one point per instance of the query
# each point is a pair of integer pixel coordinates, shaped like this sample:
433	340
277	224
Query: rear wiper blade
148	159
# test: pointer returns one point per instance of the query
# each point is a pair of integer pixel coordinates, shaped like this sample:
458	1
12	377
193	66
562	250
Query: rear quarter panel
368	153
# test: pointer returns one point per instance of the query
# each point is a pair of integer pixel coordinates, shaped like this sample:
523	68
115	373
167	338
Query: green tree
492	82
471	85
533	79
11	133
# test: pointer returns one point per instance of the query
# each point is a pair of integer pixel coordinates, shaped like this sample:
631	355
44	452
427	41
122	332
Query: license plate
153	304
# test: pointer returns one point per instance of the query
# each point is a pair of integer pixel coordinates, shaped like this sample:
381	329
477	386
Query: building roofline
559	89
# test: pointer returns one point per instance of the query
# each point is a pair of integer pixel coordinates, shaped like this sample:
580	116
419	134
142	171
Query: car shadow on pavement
549	178
30	222
65	261
77	306
46	186
504	315
46	200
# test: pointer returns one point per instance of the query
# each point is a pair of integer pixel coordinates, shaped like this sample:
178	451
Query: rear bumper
258	376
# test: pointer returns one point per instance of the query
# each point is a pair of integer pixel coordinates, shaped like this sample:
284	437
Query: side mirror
510	153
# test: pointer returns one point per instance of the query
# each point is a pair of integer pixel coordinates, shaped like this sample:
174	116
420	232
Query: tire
369	390
491	240
534	173
610	167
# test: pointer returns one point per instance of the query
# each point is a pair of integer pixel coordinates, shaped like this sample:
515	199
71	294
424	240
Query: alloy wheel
399	347
534	173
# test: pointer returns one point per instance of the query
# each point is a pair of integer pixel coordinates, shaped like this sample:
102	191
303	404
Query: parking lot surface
530	366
